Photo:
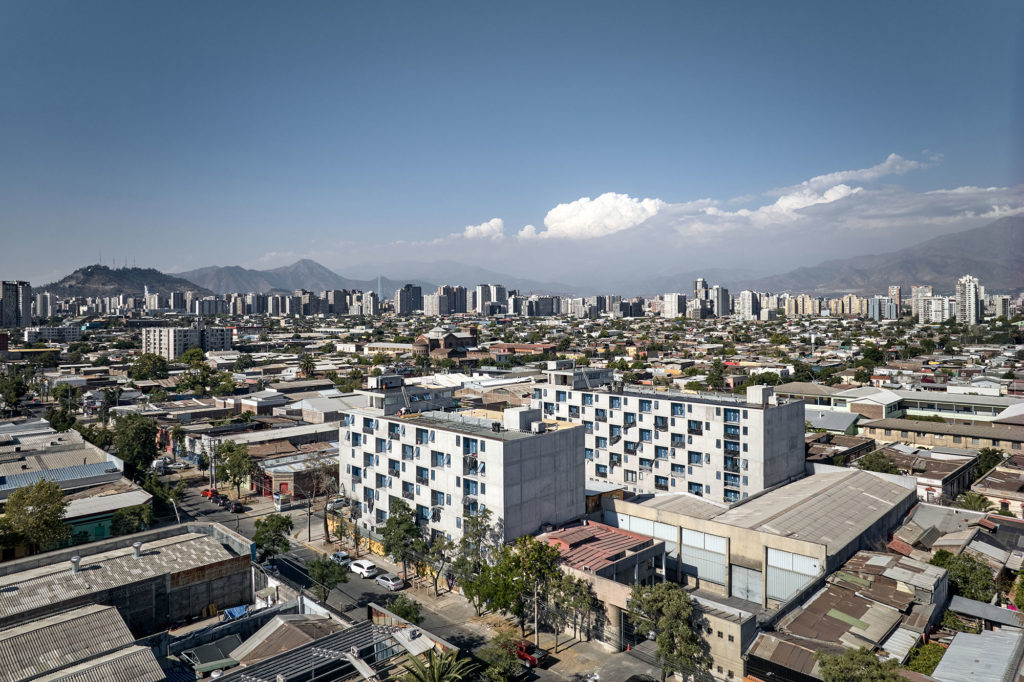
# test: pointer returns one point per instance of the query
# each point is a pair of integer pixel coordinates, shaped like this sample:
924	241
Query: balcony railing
732	436
732	468
368	428
615	439
661	427
423	480
408	494
394	473
394	435
601	474
631	448
695	432
435	515
600	418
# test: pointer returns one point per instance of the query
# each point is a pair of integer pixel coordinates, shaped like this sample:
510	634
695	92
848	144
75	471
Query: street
449	615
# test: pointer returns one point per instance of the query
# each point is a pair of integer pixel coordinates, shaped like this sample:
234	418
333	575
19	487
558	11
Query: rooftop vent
137	550
75	564
538	427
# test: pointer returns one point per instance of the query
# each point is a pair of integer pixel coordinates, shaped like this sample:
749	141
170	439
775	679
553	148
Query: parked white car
341	558
336	503
363	568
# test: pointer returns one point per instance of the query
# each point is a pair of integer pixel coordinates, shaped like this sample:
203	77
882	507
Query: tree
36	514
148	366
178	438
243	362
666	610
437	554
271	536
857	664
499	655
877	461
973	501
576	595
399	534
61	420
523	574
308	365
12	389
238	465
326	575
135	441
203	462
97	435
440	666
925	658
482	538
988	458
404	607
194	357
969	577
128	520
862	375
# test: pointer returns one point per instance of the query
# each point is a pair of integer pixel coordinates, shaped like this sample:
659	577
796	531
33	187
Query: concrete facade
446	466
717	446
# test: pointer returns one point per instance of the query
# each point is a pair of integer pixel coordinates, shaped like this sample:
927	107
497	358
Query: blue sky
187	134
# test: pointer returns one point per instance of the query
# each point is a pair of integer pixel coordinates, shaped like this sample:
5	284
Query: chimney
75	562
137	550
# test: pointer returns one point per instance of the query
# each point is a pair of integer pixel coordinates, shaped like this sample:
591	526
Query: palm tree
973	501
440	666
307	365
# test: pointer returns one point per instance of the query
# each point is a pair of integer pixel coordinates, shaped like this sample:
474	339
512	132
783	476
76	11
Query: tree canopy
400	534
968	577
877	461
271	536
135	441
667	611
858	665
148	366
35	514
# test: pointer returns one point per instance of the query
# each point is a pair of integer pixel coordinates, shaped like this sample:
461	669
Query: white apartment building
673	305
448	466
172	342
718	446
934	309
53	334
968	300
749	305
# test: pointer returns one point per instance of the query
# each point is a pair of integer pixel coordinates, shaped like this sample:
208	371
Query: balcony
732	468
368	460
601	474
356	480
661	427
732	436
394	473
628	425
408	456
423	480
614	440
408	493
695	432
368	429
661	486
614	460
589	428
631	448
468	470
677	441
435	515
394	435
600	418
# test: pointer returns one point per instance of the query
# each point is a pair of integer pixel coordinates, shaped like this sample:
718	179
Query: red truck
530	654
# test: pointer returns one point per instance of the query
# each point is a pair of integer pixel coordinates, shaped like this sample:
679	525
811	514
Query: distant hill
993	253
304	274
99	280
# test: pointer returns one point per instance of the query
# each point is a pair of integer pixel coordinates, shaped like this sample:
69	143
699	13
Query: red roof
594	545
900	547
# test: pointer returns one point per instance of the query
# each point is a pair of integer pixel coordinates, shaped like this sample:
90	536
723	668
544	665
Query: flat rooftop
474	422
831	508
52	584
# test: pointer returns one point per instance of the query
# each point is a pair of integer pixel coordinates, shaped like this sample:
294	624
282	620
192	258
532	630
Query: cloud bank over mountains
604	237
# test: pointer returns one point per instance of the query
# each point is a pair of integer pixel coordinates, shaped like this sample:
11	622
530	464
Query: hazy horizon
553	142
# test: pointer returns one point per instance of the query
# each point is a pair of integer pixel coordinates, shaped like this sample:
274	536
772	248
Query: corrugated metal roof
990	612
990	656
60	641
134	664
64	474
899	644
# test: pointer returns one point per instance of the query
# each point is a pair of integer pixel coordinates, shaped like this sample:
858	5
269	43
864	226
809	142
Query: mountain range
101	281
994	253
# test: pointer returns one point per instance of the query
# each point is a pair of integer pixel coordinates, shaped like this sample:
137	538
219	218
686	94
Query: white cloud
894	164
528	232
587	218
492	229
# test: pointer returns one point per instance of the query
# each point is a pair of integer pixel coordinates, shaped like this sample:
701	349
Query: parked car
208	492
224	501
336	503
530	654
235	507
363	568
341	558
180	465
218	499
390	581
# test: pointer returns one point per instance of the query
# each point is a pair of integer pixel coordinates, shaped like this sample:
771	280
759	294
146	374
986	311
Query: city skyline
541	141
